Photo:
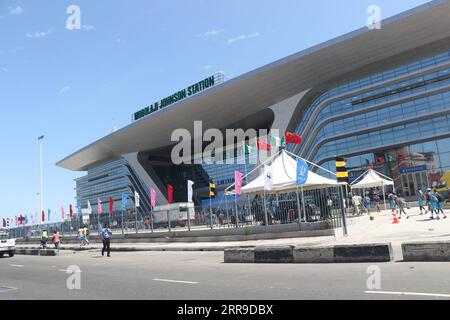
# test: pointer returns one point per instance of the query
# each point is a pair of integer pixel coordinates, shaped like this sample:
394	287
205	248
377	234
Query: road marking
17	265
175	281
69	271
438	295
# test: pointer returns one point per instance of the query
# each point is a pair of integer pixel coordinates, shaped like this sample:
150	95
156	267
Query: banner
124	201
99	207
43	216
153	198
268	178
49	215
137	199
63	213
111	205
302	172
190	191
238	182
170	194
71	212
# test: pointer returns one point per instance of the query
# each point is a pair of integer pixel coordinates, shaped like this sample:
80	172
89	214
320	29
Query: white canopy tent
372	179
284	170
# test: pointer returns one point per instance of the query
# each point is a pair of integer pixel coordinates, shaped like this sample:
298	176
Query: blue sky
74	86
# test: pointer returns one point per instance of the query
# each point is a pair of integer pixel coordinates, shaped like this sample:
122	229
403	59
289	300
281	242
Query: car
7	245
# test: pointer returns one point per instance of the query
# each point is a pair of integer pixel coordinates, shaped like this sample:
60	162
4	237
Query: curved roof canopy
416	33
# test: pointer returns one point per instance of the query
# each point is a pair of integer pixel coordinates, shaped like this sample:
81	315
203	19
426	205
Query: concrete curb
426	252
37	252
331	254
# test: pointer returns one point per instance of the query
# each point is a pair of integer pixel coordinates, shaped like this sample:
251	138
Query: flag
89	207
262	145
190	191
80	210
153	198
249	150
268	177
302	172
169	193
111	205
16	221
99	207
63	213
49	213
278	142
21	219
26	219
238	182
4	223
43	216
124	201
293	138
137	199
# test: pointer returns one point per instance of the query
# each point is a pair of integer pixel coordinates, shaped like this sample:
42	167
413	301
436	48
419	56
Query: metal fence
322	205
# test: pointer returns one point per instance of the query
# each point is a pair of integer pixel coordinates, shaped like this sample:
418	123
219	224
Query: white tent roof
372	179
284	170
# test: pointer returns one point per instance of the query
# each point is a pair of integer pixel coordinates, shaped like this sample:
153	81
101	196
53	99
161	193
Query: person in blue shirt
106	238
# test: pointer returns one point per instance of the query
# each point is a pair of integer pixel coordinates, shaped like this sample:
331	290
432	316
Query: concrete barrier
36	252
363	253
240	255
314	255
367	253
282	254
426	251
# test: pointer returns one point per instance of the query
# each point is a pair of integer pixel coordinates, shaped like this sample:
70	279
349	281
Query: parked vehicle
7	245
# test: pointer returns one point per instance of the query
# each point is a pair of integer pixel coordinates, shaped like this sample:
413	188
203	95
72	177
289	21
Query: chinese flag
71	211
111	205
170	193
43	216
262	145
293	138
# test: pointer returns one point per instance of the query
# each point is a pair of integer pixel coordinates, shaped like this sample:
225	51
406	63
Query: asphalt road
204	276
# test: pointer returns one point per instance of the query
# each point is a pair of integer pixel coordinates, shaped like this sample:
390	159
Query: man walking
422	201
440	204
56	239
106	238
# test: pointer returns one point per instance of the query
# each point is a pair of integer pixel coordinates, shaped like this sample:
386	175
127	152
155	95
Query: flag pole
303	205
265	210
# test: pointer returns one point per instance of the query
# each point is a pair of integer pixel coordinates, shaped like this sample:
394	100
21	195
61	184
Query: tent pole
265	210
298	208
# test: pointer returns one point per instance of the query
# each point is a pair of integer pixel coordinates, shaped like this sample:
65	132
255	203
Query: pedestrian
432	203
393	203
377	200
106	239
422	201
440	204
86	234
367	203
81	236
56	239
44	239
356	200
402	205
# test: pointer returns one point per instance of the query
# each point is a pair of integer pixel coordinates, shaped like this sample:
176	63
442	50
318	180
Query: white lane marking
438	295
17	265
69	271
175	281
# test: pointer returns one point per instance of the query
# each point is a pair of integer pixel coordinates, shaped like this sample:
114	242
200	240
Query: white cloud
208	67
210	33
15	11
88	27
64	90
39	34
120	40
243	37
5	69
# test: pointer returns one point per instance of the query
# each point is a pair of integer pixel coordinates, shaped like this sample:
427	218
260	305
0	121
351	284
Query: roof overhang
426	27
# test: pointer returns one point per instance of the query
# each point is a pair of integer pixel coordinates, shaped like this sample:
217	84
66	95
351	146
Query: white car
7	245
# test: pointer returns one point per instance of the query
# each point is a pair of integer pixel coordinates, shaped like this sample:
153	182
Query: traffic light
341	170
212	189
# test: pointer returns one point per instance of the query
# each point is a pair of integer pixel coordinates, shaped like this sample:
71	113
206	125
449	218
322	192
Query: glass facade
110	181
383	118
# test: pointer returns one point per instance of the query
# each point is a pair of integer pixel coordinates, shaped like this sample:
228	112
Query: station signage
413	169
181	95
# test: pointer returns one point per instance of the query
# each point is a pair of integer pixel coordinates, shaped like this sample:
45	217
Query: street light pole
41	201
